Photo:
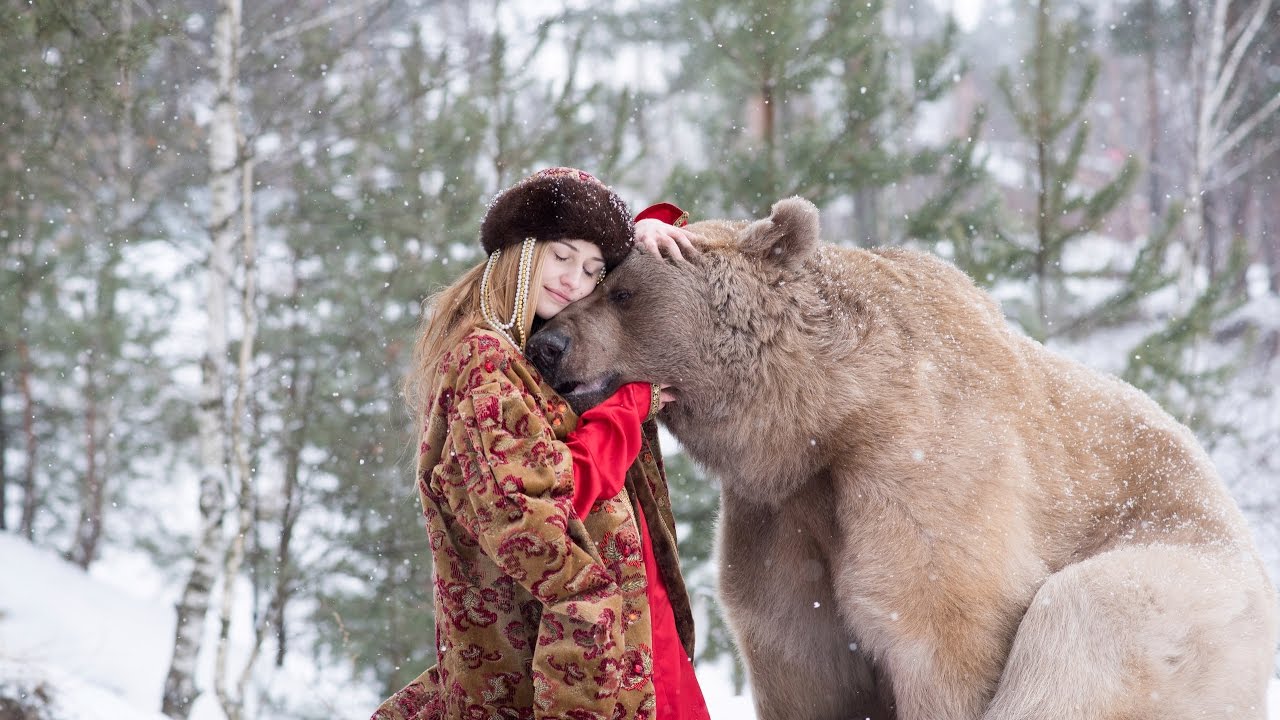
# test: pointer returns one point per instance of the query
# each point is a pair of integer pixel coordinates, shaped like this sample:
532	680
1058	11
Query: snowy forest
219	222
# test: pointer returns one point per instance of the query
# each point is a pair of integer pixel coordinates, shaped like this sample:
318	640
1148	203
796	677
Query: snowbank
98	653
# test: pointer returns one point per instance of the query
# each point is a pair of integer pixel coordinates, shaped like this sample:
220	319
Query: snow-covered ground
98	652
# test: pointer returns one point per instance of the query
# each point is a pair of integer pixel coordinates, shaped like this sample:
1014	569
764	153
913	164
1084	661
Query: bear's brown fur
926	515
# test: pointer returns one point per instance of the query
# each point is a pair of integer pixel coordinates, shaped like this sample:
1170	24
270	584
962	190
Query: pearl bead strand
523	273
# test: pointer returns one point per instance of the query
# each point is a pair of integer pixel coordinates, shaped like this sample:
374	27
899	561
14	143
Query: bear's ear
787	238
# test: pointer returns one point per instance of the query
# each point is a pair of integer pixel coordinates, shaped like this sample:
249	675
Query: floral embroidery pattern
538	614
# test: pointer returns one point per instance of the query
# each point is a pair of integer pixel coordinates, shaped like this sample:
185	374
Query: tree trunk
1042	171
1212	229
284	579
769	135
4	445
293	463
89	525
866	210
30	500
1218	54
224	164
1155	202
104	347
233	701
1270	234
297	413
1242	224
1202	60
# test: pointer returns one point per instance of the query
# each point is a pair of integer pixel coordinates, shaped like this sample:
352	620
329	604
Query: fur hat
556	204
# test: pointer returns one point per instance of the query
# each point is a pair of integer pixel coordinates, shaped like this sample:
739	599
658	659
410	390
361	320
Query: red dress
605	443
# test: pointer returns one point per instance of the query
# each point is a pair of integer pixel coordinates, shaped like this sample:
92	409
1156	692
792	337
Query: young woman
557	585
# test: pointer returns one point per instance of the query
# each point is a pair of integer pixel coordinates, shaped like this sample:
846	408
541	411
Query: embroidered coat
538	614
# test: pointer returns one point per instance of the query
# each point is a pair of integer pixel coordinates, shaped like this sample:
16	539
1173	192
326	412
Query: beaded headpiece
523	273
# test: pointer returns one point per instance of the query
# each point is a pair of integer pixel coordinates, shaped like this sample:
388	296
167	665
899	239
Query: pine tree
1171	362
1049	105
77	213
1150	29
398	204
1228	50
817	99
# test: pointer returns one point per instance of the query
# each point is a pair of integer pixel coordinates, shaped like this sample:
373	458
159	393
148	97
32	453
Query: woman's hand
658	237
665	396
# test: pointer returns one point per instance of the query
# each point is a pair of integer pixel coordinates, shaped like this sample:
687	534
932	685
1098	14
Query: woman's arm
605	444
607	439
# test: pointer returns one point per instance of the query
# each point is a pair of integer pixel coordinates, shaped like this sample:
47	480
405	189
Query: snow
101	653
717	690
66	695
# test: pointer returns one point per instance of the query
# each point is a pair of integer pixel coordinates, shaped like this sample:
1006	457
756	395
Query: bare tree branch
1256	156
342	10
1226	77
1245	128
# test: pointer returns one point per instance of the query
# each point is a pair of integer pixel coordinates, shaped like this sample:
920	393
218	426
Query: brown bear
924	514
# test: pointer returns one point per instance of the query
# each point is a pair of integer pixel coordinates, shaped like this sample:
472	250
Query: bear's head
729	325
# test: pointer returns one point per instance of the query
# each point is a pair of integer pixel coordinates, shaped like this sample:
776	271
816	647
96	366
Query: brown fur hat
556	204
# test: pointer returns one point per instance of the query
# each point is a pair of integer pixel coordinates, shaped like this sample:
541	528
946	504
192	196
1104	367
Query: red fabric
605	443
678	694
666	212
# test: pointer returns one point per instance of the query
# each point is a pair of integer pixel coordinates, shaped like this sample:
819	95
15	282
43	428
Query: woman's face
570	269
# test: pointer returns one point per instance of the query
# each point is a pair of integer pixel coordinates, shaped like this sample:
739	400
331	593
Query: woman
557	585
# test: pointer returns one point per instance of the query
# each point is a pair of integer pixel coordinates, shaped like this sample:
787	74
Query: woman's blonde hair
449	314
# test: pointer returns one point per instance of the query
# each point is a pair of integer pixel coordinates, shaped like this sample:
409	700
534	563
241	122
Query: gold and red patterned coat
538	614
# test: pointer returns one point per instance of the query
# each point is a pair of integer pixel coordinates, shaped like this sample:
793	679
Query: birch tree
224	173
232	699
1224	53
277	88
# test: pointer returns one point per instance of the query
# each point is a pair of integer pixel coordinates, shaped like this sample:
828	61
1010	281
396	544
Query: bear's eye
619	296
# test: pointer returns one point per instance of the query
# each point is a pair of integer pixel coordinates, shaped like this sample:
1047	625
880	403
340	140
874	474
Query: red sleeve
666	212
605	443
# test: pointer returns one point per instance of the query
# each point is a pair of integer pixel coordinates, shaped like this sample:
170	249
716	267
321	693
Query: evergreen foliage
817	99
78	112
376	137
1171	365
1051	108
1049	105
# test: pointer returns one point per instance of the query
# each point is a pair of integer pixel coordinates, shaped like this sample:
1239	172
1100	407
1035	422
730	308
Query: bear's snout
548	347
